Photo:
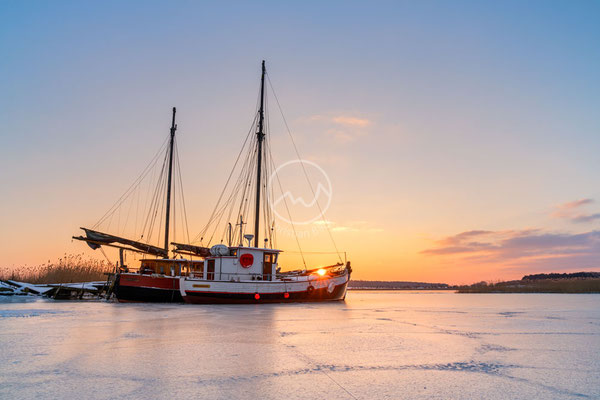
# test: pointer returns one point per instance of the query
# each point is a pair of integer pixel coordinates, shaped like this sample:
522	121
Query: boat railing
149	271
238	277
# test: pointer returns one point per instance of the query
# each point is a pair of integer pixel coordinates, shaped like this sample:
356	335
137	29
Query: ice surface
376	345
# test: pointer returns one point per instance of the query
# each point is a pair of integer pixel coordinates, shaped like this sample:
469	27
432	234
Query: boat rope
290	218
105	256
200	235
156	202
132	187
173	226
310	252
304	169
185	219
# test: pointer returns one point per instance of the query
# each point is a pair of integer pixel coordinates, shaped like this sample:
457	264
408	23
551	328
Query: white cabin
240	264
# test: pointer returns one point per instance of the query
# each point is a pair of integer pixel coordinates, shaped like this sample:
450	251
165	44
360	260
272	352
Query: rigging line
137	211
232	170
119	212
135	183
152	212
187	229
134	187
246	209
267	215
109	223
263	188
240	186
173	229
231	199
232	202
290	218
147	201
104	254
304	169
271	193
246	166
163	206
128	214
311	252
157	217
174	212
151	199
245	178
158	193
226	208
245	170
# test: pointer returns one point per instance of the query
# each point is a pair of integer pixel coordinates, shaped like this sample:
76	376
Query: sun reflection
321	271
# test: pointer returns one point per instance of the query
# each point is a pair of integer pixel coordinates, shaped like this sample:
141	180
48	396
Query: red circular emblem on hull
246	260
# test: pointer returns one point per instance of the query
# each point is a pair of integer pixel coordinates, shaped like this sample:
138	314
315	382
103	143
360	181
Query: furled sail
96	239
191	249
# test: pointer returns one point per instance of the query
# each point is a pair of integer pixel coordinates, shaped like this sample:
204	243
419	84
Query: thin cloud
350	226
346	120
575	204
586	218
323	222
522	247
344	229
342	136
570	211
342	128
351	121
456	239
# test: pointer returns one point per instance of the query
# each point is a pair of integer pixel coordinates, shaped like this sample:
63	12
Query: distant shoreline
472	291
576	282
402	288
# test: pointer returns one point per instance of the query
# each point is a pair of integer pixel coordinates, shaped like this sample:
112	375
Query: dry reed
70	268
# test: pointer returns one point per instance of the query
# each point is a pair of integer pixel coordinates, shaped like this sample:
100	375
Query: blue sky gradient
479	116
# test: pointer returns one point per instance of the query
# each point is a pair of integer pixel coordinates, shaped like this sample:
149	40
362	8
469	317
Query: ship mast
168	211
260	137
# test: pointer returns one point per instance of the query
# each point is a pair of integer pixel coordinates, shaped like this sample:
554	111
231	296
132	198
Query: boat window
210	270
267	257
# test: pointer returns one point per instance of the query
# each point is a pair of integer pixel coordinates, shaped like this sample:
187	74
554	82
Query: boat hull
147	288
216	292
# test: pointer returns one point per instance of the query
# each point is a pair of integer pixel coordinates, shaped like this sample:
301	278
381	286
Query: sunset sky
462	139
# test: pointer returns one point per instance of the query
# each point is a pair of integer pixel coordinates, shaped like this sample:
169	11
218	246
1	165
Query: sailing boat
223	273
157	279
250	273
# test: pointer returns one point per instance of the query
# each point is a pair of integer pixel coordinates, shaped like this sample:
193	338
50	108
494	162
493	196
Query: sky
460	138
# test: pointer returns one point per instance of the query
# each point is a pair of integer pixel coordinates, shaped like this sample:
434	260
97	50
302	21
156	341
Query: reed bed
68	269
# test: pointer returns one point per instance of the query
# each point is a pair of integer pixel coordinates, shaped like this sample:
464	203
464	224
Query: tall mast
168	212
260	136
